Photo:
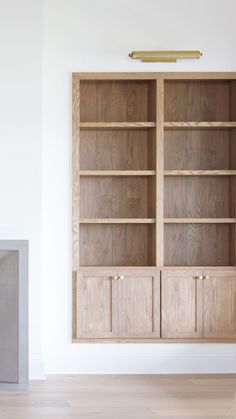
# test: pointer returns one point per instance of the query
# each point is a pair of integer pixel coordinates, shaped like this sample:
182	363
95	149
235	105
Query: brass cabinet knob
122	277
200	277
206	277
115	277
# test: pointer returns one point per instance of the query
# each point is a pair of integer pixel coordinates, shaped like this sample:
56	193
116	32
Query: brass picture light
164	56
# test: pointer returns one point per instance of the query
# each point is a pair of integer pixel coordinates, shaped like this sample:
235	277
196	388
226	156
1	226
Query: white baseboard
139	364
36	369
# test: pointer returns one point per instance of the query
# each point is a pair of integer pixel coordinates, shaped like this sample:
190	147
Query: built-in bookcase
132	140
117	160
200	169
154	207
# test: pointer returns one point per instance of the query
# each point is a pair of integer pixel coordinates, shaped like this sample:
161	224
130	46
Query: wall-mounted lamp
164	56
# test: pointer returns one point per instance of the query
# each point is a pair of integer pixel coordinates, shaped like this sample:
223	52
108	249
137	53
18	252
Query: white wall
20	146
88	35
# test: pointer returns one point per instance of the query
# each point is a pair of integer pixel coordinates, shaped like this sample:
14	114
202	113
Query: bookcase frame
154	172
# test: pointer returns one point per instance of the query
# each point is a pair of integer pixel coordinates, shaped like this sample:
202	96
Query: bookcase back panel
198	150
117	197
198	196
117	149
197	101
198	244
117	245
117	101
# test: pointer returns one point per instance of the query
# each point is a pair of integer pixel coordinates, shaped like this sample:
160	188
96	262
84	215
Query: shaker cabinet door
219	304
95	305
181	304
139	304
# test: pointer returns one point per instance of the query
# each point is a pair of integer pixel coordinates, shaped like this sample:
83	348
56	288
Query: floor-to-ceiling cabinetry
154	206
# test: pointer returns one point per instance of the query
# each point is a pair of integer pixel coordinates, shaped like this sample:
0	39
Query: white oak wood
117	172
139	304
120	189
200	172
75	173
118	125
117	220
159	171
219	303
200	220
181	304
216	75
197	125
97	305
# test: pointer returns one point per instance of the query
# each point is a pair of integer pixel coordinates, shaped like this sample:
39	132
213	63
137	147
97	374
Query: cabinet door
181	304
96	305
219	304
139	304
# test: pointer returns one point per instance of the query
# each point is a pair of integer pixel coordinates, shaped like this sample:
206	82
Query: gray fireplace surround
13	315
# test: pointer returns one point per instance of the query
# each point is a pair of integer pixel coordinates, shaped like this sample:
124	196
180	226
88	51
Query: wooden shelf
199	220
117	172
197	125
117	125
199	172
117	221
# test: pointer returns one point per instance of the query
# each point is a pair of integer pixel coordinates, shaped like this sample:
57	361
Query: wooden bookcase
154	206
117	173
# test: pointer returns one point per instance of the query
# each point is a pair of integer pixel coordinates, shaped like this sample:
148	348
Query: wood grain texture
75	173
116	150
115	101
219	304
199	75
139	304
118	220
118	197
200	172
118	172
118	125
132	245
124	396
207	244
155	340
197	125
187	101
159	173
96	245
197	150
74	304
203	197
181	304
97	305
116	245
232	164
200	220
122	121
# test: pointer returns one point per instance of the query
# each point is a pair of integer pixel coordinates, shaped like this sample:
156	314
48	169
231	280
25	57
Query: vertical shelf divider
232	163
75	173
159	172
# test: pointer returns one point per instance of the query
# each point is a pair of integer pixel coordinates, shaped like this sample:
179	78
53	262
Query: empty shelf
117	172
200	172
118	125
200	220
190	125
117	220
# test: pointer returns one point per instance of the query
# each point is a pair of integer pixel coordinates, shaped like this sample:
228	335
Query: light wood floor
123	397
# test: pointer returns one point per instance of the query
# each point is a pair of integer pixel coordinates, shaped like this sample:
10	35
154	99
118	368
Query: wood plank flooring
124	397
